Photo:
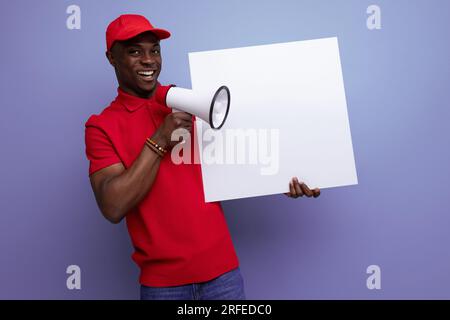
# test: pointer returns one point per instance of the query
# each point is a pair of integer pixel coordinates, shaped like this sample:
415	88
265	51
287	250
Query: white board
295	89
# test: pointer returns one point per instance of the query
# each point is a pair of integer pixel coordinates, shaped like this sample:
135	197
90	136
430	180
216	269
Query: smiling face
137	63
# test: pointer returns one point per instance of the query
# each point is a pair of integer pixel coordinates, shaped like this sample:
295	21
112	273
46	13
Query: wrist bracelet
157	146
154	149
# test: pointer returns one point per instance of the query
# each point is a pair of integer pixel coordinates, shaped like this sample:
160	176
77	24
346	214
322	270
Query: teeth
146	73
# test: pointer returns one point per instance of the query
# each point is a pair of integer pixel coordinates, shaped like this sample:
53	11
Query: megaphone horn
212	108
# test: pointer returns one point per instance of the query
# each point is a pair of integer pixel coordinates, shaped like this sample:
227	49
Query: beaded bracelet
157	146
153	148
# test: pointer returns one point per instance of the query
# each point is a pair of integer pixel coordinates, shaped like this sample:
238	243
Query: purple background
397	85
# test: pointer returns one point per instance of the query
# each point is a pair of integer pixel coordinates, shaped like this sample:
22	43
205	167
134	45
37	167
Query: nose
147	58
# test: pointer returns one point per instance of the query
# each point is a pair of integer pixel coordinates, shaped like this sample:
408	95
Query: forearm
125	191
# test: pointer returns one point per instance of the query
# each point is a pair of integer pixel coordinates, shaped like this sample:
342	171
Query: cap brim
160	33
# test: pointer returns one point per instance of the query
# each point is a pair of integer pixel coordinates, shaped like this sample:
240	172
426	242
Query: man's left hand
299	189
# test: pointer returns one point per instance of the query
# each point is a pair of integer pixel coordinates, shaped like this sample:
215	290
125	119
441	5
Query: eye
133	51
156	51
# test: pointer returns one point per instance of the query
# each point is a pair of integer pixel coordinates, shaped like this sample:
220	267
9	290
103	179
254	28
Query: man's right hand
172	121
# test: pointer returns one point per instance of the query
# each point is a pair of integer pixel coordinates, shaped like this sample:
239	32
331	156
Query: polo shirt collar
132	103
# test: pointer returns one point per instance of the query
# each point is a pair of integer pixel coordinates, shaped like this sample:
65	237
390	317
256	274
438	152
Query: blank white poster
288	117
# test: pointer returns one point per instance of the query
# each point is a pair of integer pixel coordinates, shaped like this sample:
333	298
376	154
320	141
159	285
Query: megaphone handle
176	110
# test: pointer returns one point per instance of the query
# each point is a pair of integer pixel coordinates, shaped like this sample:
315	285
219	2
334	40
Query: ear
110	57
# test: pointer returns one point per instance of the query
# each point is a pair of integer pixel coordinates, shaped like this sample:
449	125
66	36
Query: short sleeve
99	149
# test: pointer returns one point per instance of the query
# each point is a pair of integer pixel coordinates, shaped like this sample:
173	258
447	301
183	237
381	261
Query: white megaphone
208	106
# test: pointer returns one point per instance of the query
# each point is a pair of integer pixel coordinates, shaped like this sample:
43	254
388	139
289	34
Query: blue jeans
228	286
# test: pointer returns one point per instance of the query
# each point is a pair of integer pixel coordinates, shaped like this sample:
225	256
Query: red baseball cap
128	26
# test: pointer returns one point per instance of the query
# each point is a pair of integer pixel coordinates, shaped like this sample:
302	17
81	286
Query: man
182	244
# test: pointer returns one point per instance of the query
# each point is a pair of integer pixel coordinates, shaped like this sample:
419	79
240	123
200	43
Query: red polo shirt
177	237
